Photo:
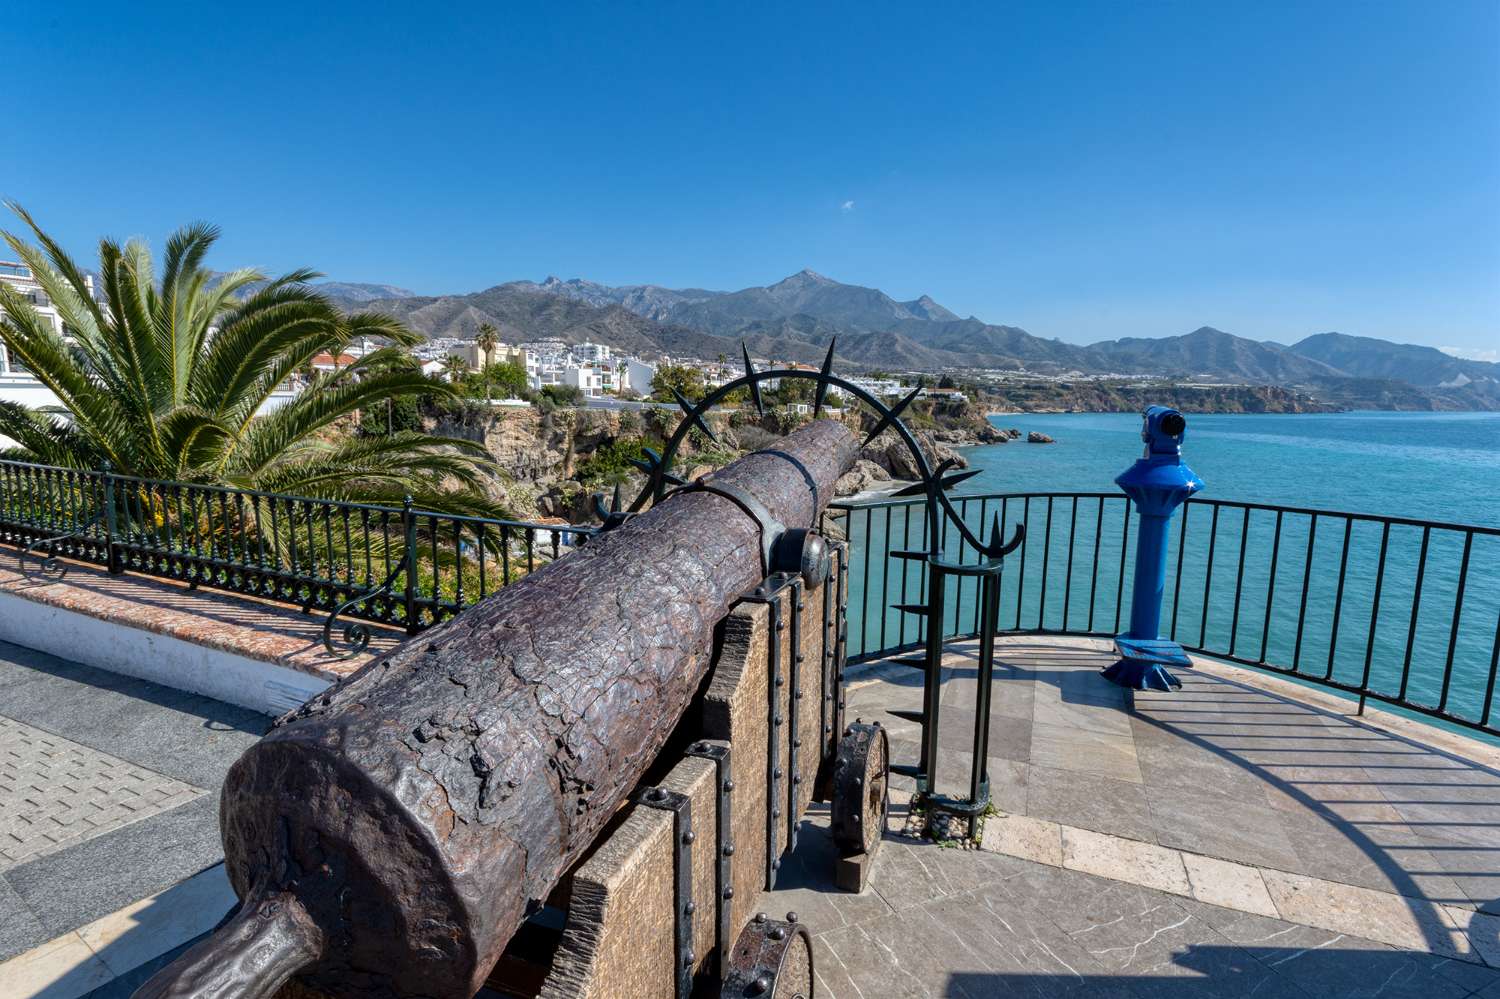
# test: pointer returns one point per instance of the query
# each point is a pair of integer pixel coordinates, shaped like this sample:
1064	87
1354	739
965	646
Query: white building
16	383
638	376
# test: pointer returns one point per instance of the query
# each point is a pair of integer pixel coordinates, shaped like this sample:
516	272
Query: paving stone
1104	754
192	738
55	793
804	885
906	874
1200	822
1483	930
94	878
1089	802
1055	706
20	930
1382	853
1412	924
1127	860
1024	836
133	935
1233	886
59	969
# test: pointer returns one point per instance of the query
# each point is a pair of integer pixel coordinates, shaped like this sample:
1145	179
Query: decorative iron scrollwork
48	565
357	634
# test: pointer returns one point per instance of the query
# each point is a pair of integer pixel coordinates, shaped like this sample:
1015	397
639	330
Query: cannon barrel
390	836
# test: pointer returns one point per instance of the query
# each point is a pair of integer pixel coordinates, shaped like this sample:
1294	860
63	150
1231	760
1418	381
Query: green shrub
610	463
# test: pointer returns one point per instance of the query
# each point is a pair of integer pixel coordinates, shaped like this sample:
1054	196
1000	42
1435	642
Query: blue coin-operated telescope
1159	482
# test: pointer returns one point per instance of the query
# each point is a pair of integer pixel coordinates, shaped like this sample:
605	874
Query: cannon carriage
579	786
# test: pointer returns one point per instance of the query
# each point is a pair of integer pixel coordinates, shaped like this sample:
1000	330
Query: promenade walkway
109	830
1243	836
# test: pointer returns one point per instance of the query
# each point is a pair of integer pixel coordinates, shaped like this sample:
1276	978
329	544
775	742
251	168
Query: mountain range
795	318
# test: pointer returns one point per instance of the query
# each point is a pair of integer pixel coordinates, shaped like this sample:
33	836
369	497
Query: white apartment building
638	376
16	383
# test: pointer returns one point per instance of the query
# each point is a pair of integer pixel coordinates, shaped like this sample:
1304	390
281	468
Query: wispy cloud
847	207
1472	353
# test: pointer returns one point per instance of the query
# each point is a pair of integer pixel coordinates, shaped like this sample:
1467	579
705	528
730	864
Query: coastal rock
890	452
865	476
1035	437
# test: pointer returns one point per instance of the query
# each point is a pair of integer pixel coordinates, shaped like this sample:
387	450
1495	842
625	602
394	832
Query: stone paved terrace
109	833
1244	836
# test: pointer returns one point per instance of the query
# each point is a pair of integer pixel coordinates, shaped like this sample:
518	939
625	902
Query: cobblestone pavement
108	791
55	793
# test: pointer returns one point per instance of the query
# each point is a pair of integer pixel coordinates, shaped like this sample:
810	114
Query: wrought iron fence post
409	530
111	552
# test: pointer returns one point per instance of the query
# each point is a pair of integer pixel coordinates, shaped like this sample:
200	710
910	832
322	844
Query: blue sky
1084	170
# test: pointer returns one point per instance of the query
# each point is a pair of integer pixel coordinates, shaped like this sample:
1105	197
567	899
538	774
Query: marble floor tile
1089	802
1025	837
1407	923
1233	886
1199	822
1124	860
1103	754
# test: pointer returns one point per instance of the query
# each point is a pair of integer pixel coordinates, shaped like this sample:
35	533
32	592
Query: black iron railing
1391	609
395	565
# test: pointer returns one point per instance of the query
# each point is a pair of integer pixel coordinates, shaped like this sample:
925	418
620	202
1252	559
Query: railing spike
892	415
949	481
912	608
760	408
692	413
823	379
907	715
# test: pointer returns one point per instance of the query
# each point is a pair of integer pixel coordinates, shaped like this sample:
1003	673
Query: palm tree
487	339
165	378
455	367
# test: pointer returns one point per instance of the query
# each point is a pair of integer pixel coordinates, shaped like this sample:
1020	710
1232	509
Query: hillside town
602	376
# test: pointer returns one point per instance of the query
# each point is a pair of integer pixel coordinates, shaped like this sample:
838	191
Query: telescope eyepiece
1162	429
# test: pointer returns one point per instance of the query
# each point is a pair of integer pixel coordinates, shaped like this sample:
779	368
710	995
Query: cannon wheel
860	788
771	960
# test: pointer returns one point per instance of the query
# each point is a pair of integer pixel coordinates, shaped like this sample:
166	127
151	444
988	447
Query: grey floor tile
78	885
20	930
1381	853
192	738
1248	833
1104	754
1089	802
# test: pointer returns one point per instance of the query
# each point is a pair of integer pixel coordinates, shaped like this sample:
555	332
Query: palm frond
321	403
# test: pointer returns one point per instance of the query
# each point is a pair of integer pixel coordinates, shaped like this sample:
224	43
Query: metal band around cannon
771	529
681	807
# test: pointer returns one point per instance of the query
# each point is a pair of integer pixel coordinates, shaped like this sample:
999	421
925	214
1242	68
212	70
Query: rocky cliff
550	464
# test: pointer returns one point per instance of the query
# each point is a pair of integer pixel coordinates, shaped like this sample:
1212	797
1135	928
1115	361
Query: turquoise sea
1431	466
1307	600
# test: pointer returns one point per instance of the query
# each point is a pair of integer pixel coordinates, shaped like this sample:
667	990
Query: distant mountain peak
806	276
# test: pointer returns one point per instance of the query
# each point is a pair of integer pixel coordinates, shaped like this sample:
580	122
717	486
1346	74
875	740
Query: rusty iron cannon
388	838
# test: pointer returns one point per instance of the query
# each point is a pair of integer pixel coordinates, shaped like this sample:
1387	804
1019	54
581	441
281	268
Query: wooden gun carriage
579	786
